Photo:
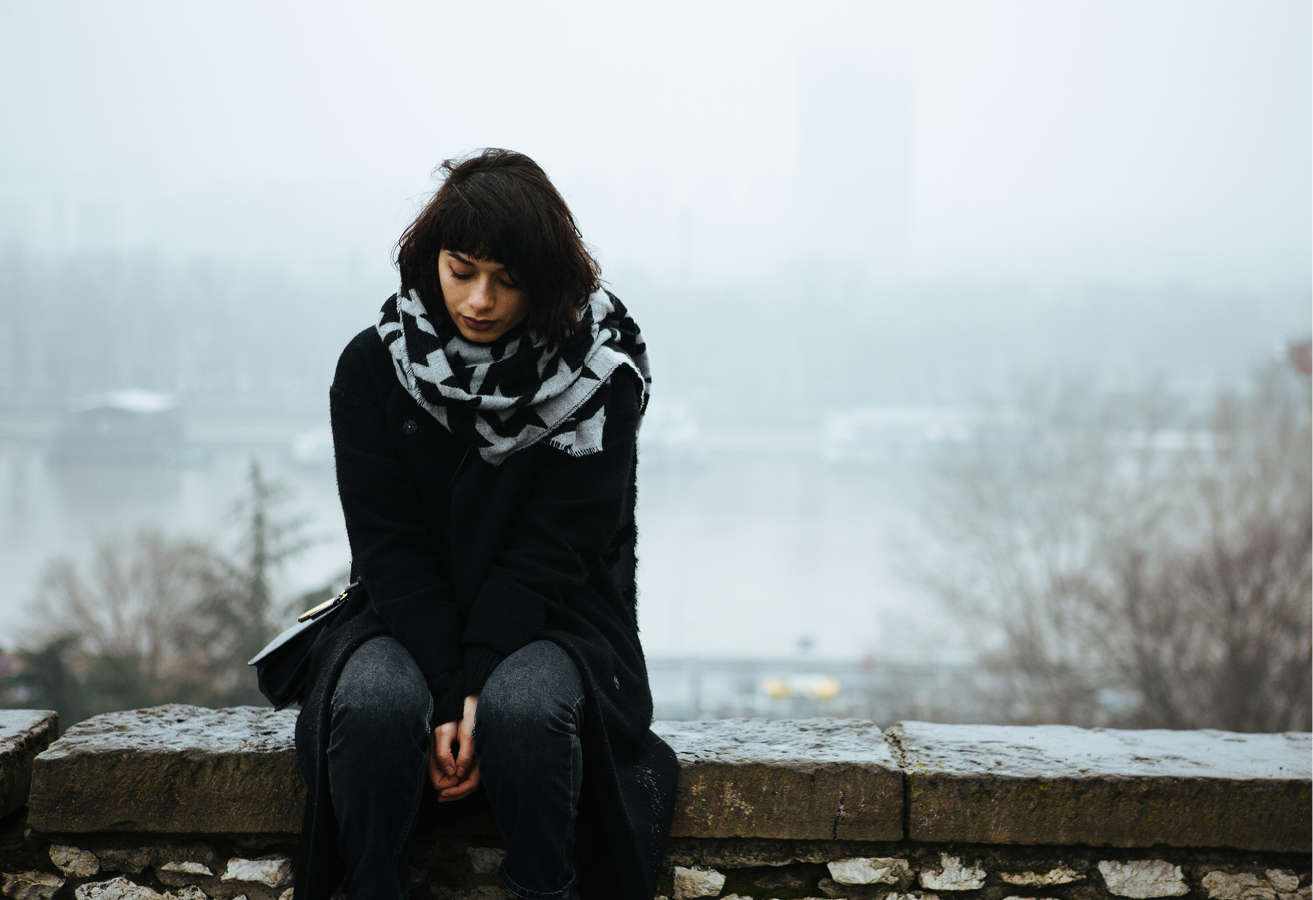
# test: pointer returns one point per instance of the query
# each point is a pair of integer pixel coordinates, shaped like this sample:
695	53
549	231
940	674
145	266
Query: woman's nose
481	297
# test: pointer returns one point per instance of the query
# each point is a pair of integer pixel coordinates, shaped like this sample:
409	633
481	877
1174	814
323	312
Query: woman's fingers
465	736
443	736
463	788
459	776
465	756
435	771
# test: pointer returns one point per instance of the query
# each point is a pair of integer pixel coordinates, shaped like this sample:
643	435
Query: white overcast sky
1143	142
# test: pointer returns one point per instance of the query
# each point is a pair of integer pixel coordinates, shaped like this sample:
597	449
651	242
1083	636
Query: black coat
461	559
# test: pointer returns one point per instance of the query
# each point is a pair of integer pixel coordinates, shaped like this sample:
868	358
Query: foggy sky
719	142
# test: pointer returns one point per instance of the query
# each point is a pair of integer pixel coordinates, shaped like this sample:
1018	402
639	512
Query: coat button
616	679
410	426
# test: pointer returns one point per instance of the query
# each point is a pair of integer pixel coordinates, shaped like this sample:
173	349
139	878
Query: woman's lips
478	324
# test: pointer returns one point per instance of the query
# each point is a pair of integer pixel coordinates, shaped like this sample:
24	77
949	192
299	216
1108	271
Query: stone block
74	861
486	860
826	779
132	860
1143	879
1056	784
1282	880
870	870
30	885
171	769
275	872
691	883
954	876
1242	886
23	734
117	888
1061	874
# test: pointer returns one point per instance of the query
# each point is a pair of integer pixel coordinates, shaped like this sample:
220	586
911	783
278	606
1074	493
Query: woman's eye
461	276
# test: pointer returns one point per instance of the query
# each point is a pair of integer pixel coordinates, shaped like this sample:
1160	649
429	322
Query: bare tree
154	620
137	601
1139	566
121	634
236	611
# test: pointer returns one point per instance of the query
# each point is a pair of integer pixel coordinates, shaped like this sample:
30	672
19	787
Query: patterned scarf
515	391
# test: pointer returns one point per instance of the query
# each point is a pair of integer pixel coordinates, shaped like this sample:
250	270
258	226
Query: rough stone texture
275	872
1282	881
131	859
1058	875
1243	886
1142	879
870	870
30	885
171	769
118	888
1056	784
188	771
953	876
23	734
186	867
820	778
752	868
74	861
486	860
691	883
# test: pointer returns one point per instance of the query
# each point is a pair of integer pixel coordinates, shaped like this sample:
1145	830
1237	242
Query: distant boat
877	435
123	428
669	436
313	449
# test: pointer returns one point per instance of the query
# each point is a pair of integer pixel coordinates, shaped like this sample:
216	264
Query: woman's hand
455	775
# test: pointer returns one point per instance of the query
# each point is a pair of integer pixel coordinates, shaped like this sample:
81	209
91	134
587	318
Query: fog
812	209
702	144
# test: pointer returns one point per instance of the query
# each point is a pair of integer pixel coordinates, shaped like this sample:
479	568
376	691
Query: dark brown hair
500	205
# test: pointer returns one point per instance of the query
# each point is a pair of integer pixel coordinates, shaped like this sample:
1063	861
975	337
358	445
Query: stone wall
179	803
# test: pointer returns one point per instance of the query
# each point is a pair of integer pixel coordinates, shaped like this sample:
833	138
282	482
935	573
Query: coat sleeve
565	527
392	543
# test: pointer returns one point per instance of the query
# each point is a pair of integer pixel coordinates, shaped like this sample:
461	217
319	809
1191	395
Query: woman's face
480	295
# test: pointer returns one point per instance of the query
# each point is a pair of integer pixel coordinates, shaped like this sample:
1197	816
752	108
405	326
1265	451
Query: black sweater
464	563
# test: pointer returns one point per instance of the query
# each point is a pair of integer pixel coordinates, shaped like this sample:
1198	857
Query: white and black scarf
513	392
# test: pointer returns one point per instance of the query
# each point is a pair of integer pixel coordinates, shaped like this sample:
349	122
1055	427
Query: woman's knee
381	690
536	691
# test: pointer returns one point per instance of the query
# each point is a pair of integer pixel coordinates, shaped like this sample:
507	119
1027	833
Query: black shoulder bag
282	666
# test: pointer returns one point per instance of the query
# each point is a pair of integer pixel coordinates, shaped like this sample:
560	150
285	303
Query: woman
484	433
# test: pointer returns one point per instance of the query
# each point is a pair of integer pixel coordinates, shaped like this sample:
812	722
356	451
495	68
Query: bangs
487	221
499	205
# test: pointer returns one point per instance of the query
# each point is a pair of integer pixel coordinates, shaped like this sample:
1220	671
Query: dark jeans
526	735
